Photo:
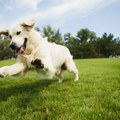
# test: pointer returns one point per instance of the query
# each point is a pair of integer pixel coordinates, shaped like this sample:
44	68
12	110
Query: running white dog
36	52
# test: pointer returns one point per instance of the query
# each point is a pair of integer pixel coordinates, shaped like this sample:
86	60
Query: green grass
96	96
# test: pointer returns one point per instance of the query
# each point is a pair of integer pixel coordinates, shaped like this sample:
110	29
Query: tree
108	45
53	35
85	35
87	50
5	51
37	29
73	44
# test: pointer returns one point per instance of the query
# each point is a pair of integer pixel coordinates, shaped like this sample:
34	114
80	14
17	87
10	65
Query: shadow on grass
27	90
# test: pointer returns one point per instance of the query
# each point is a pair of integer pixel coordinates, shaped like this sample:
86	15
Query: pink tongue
21	49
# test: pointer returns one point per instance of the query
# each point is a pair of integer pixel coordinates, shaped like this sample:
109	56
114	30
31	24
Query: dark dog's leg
38	64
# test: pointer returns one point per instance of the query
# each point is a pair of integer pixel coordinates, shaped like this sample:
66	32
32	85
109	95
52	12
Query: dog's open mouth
21	49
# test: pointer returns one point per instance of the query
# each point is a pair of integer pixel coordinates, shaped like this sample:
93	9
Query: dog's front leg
37	63
12	69
45	65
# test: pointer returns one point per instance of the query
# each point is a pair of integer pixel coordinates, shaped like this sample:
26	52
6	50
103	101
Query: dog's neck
32	48
34	38
33	42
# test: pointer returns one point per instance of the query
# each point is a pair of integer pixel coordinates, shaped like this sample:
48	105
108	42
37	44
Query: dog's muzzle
19	50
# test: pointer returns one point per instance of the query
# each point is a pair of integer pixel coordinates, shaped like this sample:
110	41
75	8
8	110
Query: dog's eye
10	37
18	32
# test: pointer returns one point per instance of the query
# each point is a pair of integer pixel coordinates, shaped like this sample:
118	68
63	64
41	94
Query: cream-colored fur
52	55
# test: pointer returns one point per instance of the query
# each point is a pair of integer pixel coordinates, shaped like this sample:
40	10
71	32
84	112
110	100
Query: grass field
96	96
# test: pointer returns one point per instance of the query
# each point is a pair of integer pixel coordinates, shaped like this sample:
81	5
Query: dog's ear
28	24
4	32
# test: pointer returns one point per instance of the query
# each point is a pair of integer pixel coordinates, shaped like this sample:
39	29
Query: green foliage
53	35
72	44
94	97
85	35
87	45
5	52
37	29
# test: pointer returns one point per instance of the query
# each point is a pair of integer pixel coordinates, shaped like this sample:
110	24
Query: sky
68	15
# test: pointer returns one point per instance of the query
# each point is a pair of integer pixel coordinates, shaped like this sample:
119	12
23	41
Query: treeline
84	45
87	45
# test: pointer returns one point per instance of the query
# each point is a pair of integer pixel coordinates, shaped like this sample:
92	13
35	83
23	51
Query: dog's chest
27	59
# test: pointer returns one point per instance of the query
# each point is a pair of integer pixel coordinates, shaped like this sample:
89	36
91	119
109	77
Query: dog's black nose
13	46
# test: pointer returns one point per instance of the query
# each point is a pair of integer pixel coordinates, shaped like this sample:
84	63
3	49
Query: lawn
96	96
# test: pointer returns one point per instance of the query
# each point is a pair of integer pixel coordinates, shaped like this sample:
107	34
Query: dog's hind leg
71	67
60	75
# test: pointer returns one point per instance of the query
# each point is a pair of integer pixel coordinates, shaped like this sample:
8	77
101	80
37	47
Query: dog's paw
38	64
